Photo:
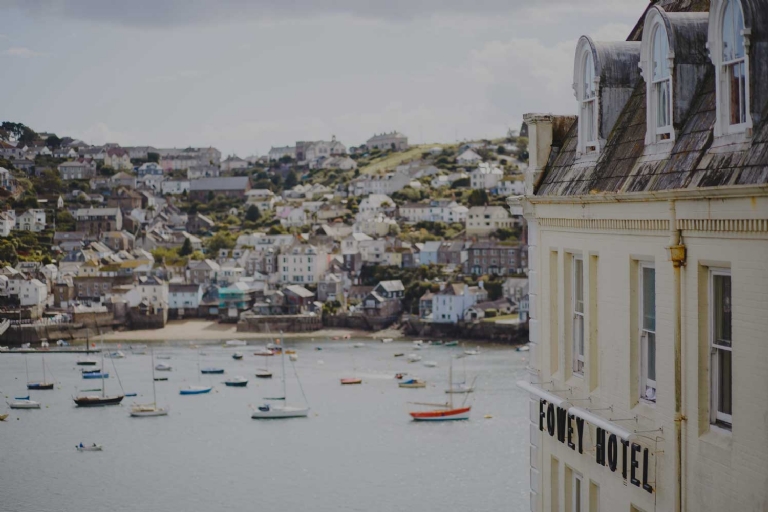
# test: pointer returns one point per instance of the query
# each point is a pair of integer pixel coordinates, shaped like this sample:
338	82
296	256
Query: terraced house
648	234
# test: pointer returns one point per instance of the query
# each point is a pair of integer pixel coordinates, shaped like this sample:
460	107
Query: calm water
358	450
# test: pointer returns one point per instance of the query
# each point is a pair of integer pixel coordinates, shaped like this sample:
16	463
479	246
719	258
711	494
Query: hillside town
385	234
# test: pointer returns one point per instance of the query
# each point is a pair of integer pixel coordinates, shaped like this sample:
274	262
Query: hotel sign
569	430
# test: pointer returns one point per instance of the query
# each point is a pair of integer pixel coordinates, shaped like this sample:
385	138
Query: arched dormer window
728	49
656	61
585	85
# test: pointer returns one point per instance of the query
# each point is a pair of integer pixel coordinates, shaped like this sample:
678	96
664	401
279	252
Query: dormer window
729	51
587	95
661	85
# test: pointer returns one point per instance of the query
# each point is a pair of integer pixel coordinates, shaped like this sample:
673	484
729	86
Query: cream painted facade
723	229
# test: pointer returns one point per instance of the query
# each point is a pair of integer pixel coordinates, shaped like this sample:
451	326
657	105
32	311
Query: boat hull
212	371
412	385
149	412
86	363
97	401
89	448
281	413
40	385
264	375
236	384
347	382
161	379
442	415
195	391
95	375
27	404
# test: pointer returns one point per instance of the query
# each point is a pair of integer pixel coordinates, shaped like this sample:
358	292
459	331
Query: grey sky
244	75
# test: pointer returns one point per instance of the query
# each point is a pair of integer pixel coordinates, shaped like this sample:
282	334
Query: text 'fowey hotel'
648	236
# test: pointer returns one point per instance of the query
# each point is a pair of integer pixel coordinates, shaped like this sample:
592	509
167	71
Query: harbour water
358	450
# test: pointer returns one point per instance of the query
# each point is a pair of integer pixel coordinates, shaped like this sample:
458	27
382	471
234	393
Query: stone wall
277	323
481	331
358	321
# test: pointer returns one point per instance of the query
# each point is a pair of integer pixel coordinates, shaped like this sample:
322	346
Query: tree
221	240
253	214
53	142
153	157
8	253
186	248
291	180
461	182
277	229
478	198
500	150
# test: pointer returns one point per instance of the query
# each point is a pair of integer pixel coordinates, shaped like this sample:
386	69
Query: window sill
718	437
729	142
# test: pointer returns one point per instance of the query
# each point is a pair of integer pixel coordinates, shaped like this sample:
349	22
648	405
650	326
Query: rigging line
117	374
299	381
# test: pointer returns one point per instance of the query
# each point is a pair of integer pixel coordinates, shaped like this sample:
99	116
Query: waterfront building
648	234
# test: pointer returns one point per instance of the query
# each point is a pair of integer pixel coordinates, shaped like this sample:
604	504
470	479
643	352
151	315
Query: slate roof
691	163
230	183
392	286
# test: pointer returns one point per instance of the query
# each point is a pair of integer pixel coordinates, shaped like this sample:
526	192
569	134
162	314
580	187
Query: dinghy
195	390
412	383
24	403
212	371
92	448
162	367
236	382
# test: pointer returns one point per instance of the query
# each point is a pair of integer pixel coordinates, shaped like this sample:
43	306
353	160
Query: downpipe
677	255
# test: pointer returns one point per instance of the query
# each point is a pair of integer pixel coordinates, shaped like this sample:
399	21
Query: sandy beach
204	330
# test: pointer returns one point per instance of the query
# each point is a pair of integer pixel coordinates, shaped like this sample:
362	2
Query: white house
149	168
385	183
509	187
184	297
445	180
31	220
302	263
233	163
374	203
339	162
174	187
486	176
374	224
468	157
483	220
7	222
291	216
451	302
154	290
394	141
276	153
32	292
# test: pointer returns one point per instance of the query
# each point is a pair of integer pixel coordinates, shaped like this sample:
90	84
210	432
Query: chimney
539	146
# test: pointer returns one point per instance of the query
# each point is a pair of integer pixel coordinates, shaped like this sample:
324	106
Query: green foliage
153	157
504	234
408	195
65	221
500	150
253	213
186	248
17	131
291	180
277	229
221	240
8	254
478	198
494	289
53	141
461	182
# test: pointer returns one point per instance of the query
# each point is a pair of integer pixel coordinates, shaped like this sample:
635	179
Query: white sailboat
269	411
147	410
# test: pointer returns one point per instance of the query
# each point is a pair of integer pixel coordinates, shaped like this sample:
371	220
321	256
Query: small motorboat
414	358
446	414
472	352
430	364
148	410
98	400
195	390
160	379
115	355
92	448
131	394
40	385
236	382
264	352
24	403
399	354
237	356
387	340
438	343
453	343
353	380
263	374
86	362
269	411
94	370
293	357
163	367
358	345
213	371
96	375
412	383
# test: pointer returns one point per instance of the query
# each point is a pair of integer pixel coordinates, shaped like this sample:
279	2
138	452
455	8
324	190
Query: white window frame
577	320
654	134
643	336
718	418
584	52
577	498
723	127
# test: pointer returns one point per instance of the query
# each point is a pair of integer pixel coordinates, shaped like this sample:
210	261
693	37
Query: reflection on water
358	450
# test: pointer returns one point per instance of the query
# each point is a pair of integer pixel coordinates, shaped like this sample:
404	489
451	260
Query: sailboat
264	373
460	387
38	385
443	412
146	410
199	389
268	411
352	380
23	402
96	400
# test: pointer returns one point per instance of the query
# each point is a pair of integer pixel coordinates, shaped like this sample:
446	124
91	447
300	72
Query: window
647	321
661	86
587	96
728	43
576	494
721	369
577	306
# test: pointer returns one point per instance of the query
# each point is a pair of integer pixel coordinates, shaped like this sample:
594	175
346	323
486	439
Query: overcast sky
244	75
